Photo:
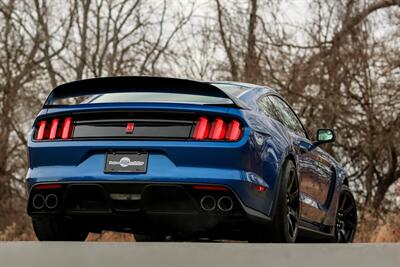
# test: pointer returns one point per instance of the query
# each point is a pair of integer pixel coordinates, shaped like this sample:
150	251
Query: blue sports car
175	159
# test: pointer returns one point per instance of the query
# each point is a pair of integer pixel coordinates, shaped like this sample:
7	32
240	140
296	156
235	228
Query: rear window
132	97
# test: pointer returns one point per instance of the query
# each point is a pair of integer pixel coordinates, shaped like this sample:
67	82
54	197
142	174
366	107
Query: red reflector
66	130
218	130
129	127
48	186
41	130
260	188
210	187
233	132
53	129
202	129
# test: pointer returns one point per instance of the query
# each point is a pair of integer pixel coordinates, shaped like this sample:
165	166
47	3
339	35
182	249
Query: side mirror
324	136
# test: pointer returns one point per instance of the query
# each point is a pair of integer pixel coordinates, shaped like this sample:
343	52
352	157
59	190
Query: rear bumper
142	207
237	165
234	165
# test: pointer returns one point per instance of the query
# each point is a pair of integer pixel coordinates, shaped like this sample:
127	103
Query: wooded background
336	61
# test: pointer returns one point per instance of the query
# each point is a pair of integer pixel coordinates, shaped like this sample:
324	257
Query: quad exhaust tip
38	201
225	204
51	201
208	203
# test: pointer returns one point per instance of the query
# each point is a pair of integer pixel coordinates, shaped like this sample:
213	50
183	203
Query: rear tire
284	226
346	217
56	228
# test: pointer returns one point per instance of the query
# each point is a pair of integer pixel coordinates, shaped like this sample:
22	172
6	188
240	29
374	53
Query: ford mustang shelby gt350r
177	159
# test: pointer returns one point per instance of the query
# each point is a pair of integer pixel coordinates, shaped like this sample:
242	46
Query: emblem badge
129	128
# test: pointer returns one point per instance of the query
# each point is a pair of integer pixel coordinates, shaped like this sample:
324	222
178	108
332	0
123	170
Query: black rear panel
133	125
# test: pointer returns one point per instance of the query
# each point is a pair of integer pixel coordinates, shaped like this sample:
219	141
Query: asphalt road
87	254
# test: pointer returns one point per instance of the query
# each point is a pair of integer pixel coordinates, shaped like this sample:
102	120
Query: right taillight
233	132
54	129
217	129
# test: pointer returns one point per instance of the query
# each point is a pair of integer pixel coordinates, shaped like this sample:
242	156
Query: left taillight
54	129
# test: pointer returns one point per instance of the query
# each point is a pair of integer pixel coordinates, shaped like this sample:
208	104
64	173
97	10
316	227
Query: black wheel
284	227
148	238
55	228
346	217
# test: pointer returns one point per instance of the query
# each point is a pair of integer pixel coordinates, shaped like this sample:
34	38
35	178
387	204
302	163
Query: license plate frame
126	162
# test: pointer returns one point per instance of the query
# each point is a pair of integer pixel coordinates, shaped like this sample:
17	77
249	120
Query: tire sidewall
279	229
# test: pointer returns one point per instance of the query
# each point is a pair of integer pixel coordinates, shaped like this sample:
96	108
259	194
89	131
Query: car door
314	167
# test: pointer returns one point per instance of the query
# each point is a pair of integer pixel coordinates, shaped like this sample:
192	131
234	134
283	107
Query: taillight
54	129
233	133
217	129
41	130
202	129
67	129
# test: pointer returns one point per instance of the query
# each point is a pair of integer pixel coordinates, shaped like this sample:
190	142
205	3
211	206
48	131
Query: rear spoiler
137	83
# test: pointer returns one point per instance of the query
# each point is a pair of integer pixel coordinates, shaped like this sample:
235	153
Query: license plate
126	162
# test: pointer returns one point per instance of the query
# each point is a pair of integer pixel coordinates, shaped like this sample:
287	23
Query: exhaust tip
38	201
225	204
208	203
51	201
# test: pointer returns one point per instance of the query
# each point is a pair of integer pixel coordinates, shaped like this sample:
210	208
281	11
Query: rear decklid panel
185	151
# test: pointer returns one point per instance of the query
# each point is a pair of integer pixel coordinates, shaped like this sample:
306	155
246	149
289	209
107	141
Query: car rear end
151	165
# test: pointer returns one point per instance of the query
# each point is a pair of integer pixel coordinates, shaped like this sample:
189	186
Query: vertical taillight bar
233	133
53	129
218	130
202	129
41	130
66	130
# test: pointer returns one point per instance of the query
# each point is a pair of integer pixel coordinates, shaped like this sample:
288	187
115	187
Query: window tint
288	118
265	104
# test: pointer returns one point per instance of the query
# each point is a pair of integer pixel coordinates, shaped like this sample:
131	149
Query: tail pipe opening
208	203
51	201
225	204
38	201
